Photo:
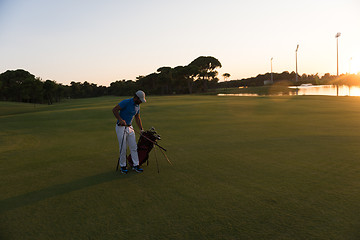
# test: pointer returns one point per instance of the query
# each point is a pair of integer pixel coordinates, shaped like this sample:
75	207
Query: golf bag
144	146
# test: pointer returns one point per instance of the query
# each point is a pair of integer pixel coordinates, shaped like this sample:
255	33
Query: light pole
272	80
296	62
337	52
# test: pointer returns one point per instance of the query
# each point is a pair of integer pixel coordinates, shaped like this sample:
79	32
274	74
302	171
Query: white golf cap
141	95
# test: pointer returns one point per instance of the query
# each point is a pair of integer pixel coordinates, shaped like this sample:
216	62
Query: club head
153	132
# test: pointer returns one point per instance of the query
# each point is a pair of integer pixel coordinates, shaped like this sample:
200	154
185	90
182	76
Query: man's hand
122	122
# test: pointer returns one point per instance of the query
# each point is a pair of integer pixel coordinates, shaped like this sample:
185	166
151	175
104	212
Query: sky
109	40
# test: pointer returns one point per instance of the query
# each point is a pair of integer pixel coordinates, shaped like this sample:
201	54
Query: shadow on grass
56	190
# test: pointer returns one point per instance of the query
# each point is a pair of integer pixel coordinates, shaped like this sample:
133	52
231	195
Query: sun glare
354	65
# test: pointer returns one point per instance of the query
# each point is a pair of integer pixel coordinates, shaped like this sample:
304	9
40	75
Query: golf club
117	166
157	164
155	143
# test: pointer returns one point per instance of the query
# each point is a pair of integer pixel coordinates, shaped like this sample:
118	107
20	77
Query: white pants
127	134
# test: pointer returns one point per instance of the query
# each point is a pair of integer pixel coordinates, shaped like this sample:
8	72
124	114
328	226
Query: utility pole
272	80
337	52
296	62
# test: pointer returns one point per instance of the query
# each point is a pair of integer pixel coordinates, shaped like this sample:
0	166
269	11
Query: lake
314	90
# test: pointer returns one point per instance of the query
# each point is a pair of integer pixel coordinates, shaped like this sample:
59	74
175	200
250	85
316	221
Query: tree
191	72
76	90
184	77
123	88
165	79
226	76
149	82
37	90
17	85
62	92
206	69
50	88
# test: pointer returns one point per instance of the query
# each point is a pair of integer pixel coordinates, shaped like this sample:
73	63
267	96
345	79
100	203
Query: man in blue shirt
124	112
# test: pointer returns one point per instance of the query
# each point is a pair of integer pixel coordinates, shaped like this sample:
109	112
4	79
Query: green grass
243	168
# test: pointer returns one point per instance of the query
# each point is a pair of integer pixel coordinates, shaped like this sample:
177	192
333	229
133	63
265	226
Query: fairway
243	168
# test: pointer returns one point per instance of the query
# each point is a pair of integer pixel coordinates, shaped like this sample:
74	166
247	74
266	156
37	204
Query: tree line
197	77
290	79
22	86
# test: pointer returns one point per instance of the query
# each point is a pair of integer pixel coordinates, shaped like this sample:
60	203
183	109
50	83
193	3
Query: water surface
311	90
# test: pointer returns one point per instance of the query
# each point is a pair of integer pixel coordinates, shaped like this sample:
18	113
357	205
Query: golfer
124	113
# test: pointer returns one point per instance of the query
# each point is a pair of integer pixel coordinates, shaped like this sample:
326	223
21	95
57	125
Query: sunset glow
354	65
102	42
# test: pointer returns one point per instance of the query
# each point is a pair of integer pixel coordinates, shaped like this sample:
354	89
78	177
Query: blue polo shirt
128	110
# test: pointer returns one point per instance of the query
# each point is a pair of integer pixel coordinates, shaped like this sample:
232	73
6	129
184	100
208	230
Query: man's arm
138	121
115	111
